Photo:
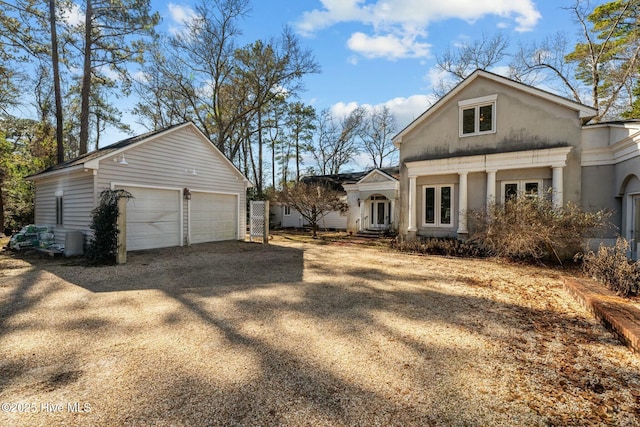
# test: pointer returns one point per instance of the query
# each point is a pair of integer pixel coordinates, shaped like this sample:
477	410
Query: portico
434	184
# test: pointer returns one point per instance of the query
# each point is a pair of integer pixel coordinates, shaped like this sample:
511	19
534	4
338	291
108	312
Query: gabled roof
336	181
390	174
584	112
92	159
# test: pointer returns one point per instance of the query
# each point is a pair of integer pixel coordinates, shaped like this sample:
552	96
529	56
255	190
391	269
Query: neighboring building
491	137
184	190
611	174
371	196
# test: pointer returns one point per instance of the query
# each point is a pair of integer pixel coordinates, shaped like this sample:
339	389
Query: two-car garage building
184	190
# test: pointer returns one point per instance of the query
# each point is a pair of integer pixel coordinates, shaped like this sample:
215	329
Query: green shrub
532	229
611	266
440	246
103	247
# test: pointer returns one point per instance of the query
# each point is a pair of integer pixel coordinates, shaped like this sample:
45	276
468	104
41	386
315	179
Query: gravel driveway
303	334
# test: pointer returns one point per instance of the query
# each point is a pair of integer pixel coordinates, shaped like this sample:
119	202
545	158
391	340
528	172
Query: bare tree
221	87
337	140
376	132
603	67
313	201
460	61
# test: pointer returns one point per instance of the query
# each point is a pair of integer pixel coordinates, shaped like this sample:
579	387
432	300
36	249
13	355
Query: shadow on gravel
219	265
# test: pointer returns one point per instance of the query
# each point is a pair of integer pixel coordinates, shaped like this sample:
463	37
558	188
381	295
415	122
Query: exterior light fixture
120	160
186	193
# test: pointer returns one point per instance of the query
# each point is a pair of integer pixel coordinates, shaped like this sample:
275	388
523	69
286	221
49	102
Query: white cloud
388	46
342	109
405	110
74	16
399	26
180	15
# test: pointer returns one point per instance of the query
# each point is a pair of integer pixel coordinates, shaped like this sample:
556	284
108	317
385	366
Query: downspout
186	195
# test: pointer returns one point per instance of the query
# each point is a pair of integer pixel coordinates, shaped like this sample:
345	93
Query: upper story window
287	210
477	116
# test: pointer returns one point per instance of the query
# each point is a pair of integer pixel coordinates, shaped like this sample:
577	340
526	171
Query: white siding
78	202
168	161
294	220
332	220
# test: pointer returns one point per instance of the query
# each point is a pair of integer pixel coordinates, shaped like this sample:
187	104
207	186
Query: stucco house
491	137
184	190
371	196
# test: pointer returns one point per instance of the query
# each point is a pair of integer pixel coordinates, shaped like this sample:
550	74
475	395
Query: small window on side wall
287	210
59	210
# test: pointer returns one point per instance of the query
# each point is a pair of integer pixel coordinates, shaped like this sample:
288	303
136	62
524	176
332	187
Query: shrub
103	248
531	228
440	246
611	266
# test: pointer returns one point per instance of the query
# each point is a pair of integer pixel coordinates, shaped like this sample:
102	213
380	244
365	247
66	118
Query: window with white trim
477	116
528	188
287	210
59	208
438	206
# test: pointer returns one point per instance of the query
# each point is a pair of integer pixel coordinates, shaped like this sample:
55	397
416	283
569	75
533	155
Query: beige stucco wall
523	122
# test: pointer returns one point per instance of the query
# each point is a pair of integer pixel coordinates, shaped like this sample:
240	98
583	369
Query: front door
635	225
379	214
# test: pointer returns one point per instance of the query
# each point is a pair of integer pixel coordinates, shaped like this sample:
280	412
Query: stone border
617	314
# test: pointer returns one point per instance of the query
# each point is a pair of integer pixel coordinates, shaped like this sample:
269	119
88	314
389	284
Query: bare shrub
531	228
611	266
440	246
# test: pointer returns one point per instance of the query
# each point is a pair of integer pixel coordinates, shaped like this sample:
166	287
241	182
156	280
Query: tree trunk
259	177
297	157
273	164
56	82
85	91
2	224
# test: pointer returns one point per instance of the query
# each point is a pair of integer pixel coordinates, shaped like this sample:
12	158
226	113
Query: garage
213	217
185	190
153	218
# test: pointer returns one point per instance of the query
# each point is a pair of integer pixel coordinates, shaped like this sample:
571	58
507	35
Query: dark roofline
338	180
105	150
614	122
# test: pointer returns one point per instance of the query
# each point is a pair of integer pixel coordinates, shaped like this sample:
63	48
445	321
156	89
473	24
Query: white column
462	204
412	204
392	211
557	185
491	188
361	222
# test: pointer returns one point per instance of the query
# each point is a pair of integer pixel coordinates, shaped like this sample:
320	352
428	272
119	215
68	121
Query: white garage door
153	219
214	217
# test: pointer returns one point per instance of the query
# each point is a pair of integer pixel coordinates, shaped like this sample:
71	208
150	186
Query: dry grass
300	333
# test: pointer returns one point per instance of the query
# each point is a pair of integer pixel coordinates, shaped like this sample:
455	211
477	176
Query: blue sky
382	52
